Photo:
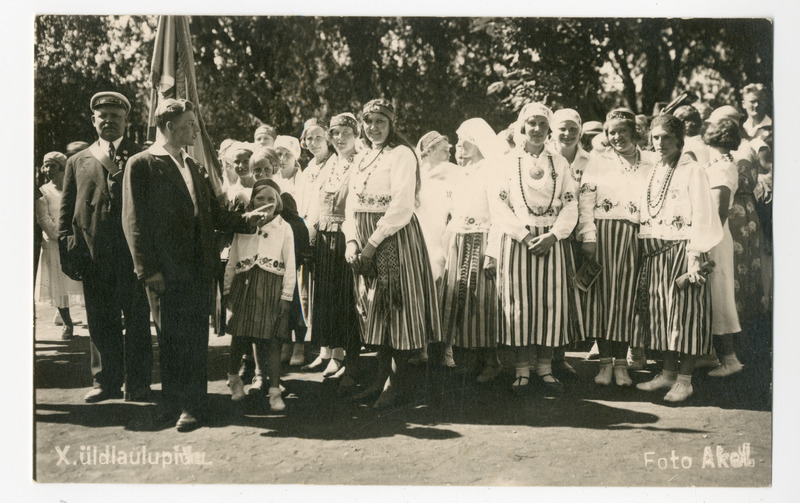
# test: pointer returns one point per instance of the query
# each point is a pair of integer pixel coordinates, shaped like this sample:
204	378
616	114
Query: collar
104	144
766	121
158	149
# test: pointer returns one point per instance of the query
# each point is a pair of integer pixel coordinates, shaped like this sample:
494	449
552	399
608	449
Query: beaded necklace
336	178
628	168
663	192
522	189
362	168
723	157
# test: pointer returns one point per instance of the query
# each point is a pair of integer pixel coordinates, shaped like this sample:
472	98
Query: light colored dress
52	285
722	172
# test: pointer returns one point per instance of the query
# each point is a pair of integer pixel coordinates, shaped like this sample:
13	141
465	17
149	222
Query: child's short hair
263	184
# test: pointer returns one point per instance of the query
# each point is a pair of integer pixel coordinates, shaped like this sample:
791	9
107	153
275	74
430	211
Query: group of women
533	244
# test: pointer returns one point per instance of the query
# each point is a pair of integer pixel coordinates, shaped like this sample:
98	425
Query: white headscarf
481	134
290	143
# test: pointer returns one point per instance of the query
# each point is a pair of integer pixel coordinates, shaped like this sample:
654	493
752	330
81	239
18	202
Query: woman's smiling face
376	127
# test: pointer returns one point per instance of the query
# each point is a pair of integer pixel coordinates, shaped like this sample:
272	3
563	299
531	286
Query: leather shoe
138	395
187	422
100	394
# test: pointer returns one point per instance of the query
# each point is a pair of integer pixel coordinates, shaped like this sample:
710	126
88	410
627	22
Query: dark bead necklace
522	188
662	196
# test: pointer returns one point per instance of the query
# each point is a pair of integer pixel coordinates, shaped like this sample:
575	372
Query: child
260	282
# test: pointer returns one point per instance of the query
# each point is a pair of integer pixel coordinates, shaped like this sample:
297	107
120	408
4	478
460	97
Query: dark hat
110	98
76	146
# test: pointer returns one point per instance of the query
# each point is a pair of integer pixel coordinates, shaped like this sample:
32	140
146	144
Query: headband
346	119
566	114
621	114
379	106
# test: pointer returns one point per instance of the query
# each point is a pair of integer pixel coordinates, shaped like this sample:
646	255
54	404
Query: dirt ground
452	432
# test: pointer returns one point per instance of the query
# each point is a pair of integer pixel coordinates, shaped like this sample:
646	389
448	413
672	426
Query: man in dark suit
169	215
93	249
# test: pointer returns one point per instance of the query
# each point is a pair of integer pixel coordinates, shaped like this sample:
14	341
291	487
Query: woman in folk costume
535	206
314	138
468	298
679	224
436	179
337	320
396	296
611	191
565	139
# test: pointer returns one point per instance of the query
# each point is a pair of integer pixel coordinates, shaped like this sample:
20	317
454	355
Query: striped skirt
610	309
673	319
405	312
469	299
255	302
539	304
335	317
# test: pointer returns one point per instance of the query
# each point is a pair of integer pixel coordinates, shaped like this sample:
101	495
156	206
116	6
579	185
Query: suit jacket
159	221
90	222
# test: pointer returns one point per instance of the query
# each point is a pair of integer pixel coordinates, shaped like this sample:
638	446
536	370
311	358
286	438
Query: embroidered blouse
326	212
468	200
686	210
271	248
513	210
385	185
307	192
611	189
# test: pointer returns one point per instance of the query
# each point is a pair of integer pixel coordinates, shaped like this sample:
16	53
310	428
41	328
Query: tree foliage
438	71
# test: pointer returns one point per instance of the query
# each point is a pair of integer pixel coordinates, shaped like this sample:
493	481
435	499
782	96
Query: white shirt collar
104	144
158	149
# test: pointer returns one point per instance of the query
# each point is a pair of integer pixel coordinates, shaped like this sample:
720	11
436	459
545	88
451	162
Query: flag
172	76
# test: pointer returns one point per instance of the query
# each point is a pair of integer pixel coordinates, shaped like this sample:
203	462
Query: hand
155	282
368	252
351	252
589	250
490	267
527	240
696	275
541	245
283	308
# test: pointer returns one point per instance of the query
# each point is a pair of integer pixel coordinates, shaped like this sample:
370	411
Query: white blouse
683	210
309	189
519	200
383	184
723	172
468	199
271	249
611	189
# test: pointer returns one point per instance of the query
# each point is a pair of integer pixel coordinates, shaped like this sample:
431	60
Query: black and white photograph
337	253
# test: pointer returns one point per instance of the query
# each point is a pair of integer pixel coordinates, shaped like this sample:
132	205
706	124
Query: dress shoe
679	392
333	367
67	333
520	385
488	373
550	384
563	370
386	400
298	354
187	422
726	369
138	395
658	382
100	394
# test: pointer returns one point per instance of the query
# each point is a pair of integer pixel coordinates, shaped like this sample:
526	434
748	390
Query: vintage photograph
403	250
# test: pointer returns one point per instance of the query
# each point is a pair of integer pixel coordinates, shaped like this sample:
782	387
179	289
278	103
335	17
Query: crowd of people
638	233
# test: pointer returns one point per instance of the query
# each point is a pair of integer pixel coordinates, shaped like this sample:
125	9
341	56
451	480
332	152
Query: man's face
184	129
754	104
109	122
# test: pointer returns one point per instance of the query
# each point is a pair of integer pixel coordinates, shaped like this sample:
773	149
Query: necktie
112	152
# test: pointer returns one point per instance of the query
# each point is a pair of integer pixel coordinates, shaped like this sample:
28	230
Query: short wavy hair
724	134
692	121
169	109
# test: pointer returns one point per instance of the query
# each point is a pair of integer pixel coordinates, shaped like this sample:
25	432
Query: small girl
259	284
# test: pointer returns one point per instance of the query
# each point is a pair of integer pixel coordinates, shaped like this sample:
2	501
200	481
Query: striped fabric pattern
475	323
536	293
417	319
679	320
610	312
255	301
336	320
